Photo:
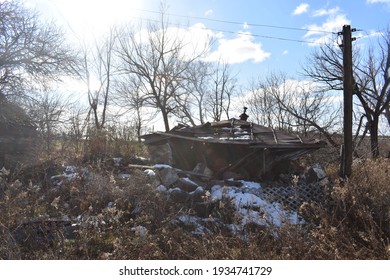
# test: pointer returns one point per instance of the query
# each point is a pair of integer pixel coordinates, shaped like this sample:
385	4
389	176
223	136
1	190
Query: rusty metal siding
232	146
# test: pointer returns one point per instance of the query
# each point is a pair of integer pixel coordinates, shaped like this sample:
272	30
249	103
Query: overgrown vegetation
97	215
72	203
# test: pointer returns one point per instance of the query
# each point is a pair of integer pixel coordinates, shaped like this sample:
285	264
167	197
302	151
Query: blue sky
255	36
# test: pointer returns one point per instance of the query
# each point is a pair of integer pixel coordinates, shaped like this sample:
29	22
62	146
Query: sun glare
89	19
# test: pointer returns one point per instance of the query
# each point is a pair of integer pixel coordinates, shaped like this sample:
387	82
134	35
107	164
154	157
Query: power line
260	36
240	23
243	33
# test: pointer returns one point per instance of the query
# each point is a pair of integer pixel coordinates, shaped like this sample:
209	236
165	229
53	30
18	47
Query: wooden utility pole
347	148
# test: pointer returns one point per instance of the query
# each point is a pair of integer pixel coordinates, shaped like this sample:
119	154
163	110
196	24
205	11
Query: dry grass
353	222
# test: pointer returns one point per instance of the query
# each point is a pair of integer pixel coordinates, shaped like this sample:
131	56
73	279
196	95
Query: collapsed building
233	148
18	134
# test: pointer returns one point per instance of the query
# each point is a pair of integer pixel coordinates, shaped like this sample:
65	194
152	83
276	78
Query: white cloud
208	13
370	34
240	49
325	12
27	4
374	33
301	9
88	19
245	25
195	39
285	52
378	1
321	33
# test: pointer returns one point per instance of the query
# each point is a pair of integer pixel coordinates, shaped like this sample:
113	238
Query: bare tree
264	107
301	106
30	52
197	89
77	125
261	105
47	110
372	88
128	95
209	89
99	72
222	90
371	75
158	58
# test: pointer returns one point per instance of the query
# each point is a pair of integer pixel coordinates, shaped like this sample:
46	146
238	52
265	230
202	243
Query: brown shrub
354	222
112	213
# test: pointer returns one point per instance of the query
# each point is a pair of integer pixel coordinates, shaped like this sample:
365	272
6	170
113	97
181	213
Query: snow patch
161	188
194	222
68	175
150	172
161	166
140	231
117	161
124	176
70	169
189	181
252	208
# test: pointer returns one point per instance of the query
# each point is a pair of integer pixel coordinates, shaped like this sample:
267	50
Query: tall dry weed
354	221
128	219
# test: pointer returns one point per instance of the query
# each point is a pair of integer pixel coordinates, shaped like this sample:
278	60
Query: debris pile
252	203
204	201
231	148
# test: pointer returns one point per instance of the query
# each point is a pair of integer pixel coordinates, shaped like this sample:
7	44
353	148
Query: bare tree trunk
372	80
160	63
374	137
165	119
387	114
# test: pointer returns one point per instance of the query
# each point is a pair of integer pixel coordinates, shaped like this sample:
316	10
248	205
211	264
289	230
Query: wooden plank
176	169
237	163
209	140
276	138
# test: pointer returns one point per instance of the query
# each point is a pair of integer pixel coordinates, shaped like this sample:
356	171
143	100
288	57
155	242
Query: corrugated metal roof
248	149
234	131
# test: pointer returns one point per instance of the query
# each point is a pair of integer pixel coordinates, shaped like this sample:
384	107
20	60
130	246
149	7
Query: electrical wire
235	23
242	33
239	23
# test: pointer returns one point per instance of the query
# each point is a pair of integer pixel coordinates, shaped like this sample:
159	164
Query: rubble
315	173
228	149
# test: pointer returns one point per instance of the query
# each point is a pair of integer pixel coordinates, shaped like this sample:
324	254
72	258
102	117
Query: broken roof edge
158	137
250	134
229	147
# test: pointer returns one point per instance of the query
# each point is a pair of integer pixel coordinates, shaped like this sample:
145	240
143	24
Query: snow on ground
150	172
252	208
69	174
248	201
140	230
160	166
117	161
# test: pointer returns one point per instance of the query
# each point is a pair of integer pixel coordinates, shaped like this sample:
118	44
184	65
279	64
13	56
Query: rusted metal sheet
231	147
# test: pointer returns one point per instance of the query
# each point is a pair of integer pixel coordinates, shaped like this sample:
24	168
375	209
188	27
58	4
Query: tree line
151	71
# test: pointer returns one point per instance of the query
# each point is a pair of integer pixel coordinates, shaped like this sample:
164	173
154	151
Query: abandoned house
233	148
17	133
